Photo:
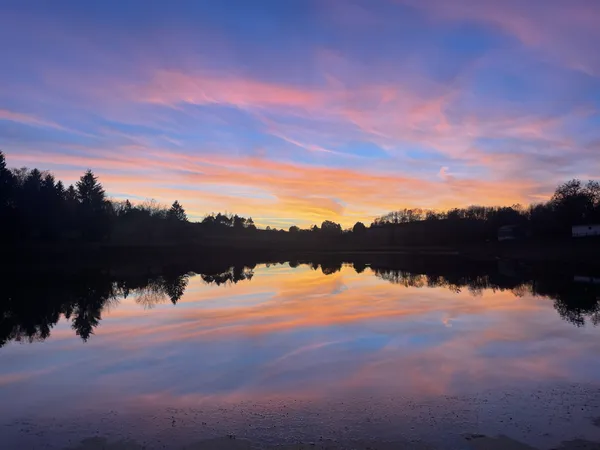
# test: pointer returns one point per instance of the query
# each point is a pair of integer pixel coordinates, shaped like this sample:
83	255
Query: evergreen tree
6	183
7	212
90	193
93	207
60	191
176	213
71	195
33	183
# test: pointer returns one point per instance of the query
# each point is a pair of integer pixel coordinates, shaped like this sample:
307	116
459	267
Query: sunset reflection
284	331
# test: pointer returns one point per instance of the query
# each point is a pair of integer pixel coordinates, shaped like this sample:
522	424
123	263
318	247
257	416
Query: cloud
29	119
171	88
306	193
360	122
443	173
564	31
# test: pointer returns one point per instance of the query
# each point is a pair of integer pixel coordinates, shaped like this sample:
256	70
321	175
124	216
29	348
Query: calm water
280	353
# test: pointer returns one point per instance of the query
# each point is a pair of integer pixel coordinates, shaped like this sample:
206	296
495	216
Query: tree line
34	206
573	203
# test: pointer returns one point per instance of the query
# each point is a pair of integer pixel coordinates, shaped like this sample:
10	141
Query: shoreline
576	258
550	416
472	441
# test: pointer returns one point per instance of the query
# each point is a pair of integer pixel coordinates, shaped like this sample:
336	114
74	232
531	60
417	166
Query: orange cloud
305	194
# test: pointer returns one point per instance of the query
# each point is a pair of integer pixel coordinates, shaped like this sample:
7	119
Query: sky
293	112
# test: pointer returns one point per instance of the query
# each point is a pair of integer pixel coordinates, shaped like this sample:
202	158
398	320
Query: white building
507	233
586	230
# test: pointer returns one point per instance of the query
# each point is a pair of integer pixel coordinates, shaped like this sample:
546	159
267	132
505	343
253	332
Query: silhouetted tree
8	222
433	215
90	192
574	203
36	206
239	222
359	228
331	227
71	195
93	206
6	182
60	190
177	213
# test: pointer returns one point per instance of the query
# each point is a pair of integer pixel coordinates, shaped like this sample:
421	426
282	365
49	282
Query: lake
291	352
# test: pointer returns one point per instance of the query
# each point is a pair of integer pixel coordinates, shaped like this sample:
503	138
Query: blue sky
301	111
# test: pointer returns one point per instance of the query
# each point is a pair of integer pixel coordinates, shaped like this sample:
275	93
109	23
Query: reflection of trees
164	288
476	284
175	287
574	302
359	266
232	275
402	277
330	268
29	311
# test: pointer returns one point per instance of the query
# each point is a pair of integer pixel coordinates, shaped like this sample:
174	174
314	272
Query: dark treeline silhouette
573	203
35	207
29	310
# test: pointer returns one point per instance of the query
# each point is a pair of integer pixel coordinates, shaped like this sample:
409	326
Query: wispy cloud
353	110
29	119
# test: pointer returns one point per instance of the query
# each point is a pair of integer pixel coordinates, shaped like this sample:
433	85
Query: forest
37	208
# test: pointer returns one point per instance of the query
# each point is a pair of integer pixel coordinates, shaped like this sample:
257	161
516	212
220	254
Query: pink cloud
29	119
172	88
352	105
388	115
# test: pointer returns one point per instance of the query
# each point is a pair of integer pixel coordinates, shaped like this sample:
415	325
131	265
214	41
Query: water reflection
31	308
573	300
312	330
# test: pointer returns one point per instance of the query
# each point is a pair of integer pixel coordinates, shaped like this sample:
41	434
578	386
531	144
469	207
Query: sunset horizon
301	112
